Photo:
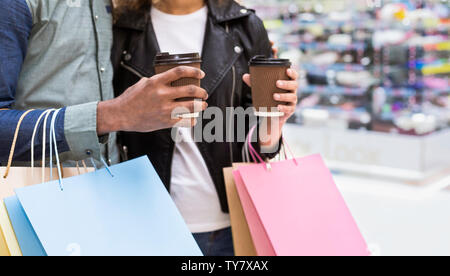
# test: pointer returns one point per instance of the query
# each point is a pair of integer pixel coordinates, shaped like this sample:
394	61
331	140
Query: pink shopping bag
294	208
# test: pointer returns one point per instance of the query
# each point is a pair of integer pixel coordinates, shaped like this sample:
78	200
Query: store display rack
371	70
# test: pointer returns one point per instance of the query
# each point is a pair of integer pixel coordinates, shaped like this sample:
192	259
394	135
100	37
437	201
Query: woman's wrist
270	133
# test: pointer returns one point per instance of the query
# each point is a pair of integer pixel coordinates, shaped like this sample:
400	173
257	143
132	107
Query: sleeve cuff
80	129
266	153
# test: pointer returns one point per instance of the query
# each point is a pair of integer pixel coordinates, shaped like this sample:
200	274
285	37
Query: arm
15	28
261	45
270	129
145	107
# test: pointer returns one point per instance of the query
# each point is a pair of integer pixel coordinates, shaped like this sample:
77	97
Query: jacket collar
219	13
226	11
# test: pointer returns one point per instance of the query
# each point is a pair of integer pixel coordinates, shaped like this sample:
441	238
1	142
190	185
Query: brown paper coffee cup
264	74
165	62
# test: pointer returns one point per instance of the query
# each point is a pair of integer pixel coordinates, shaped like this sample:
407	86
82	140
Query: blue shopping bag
26	237
121	210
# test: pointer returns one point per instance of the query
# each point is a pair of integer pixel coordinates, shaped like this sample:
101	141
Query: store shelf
394	156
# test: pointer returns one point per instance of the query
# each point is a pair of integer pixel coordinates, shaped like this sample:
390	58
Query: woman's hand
274	49
288	102
290	99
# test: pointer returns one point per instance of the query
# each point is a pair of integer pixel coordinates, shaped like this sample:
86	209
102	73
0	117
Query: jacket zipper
132	70
233	91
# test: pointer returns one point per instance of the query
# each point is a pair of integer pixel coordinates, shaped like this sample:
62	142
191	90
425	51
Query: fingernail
277	96
280	83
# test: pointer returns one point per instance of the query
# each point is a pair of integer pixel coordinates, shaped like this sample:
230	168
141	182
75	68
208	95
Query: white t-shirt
192	187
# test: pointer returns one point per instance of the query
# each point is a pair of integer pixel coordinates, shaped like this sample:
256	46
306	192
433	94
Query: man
56	54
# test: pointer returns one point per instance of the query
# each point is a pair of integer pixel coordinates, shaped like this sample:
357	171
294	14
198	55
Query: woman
227	35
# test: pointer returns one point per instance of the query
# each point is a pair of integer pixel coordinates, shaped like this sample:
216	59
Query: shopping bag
293	208
26	237
242	239
21	177
17	177
261	240
8	232
4	251
121	210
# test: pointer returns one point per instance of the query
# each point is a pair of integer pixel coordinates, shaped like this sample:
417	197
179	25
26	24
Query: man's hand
148	105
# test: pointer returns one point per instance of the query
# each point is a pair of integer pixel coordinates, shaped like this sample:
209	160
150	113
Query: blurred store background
375	102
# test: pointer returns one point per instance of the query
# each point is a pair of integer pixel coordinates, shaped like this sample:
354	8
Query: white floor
397	218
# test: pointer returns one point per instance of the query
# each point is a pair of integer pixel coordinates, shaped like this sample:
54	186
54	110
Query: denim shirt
56	54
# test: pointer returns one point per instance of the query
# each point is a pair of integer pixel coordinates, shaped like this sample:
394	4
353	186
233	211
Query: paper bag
8	232
121	210
4	250
298	210
18	177
294	208
26	237
242	239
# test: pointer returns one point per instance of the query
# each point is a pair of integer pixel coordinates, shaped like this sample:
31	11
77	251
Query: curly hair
138	4
122	6
132	4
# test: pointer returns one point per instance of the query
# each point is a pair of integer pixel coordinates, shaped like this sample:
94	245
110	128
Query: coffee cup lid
166	58
265	61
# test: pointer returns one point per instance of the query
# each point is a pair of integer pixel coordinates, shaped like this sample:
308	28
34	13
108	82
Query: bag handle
44	143
13	146
245	151
54	143
256	156
246	155
44	115
84	167
286	145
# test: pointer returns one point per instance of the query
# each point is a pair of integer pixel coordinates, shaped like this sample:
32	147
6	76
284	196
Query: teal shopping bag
123	210
26	237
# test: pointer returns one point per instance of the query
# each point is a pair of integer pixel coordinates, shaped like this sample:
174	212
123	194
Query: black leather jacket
234	35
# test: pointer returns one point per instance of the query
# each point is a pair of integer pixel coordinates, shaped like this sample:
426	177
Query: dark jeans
218	243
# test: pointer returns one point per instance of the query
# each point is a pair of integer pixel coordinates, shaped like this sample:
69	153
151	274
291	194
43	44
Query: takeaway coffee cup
264	74
165	62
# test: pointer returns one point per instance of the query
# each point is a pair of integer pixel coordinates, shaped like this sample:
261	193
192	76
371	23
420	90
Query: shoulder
253	19
234	14
42	10
253	22
16	14
253	33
